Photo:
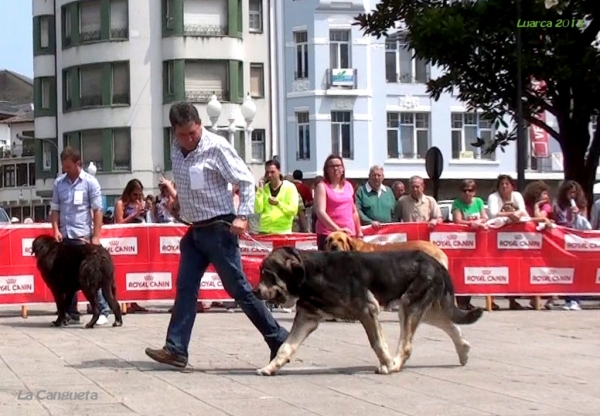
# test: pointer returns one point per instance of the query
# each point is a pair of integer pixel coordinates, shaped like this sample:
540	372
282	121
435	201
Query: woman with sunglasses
468	209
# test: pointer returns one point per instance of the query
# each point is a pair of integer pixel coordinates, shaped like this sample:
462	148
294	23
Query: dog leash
245	234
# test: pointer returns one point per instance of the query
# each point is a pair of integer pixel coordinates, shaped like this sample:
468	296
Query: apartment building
365	99
107	71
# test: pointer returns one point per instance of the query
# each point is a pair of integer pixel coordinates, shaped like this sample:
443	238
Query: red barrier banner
512	260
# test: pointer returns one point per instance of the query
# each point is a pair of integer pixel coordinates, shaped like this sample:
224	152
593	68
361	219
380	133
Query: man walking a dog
76	197
203	166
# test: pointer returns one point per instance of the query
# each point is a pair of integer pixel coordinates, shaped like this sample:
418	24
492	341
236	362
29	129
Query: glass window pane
407	141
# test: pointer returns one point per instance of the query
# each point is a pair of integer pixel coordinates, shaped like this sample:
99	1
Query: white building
107	71
17	171
365	99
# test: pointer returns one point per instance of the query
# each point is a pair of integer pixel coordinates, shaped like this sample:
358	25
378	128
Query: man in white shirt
203	166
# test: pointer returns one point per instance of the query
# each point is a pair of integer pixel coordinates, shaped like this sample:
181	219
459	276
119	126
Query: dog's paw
266	371
59	323
118	323
382	369
89	325
463	353
396	365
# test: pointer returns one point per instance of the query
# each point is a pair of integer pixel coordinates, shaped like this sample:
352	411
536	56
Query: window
91	148
90	85
255	21
44	31
466	128
339	49
120	83
28	145
205	78
22	174
40	212
121	141
257	80
118	19
67	27
46	156
90	20
303	139
407	135
204	18
258	145
400	66
301	41
9	175
46	87
169	77
341	134
67	82
31	167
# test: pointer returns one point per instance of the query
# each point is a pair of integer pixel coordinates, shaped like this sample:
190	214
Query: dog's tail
456	315
460	317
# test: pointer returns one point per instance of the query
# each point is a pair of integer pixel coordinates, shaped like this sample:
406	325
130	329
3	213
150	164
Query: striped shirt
203	175
75	202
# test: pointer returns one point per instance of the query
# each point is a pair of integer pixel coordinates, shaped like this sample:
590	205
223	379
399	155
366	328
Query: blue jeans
215	244
72	308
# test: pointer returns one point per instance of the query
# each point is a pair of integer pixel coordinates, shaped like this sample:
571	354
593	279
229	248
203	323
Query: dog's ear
295	277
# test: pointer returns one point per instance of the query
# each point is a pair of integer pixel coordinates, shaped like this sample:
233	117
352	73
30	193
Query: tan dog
340	241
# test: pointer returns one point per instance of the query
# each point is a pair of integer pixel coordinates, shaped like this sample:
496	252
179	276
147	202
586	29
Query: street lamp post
248	110
92	169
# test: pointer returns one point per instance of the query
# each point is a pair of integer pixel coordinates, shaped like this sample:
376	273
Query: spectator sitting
131	208
505	193
501	214
418	207
537	203
468	209
306	196
164	205
375	202
570	211
276	202
149	205
398	188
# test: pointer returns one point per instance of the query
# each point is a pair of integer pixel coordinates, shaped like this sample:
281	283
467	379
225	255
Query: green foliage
474	43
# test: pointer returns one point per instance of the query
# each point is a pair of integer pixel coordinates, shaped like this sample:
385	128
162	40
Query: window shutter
203	79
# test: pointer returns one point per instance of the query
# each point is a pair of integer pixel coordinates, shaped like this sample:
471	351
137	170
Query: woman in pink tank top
334	203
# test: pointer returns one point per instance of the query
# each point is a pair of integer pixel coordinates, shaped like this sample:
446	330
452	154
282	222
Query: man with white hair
375	202
418	207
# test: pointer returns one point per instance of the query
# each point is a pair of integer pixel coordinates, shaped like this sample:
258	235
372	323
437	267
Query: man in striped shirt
203	165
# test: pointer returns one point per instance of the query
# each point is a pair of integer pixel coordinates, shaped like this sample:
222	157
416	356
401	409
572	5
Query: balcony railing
341	78
195	96
205	30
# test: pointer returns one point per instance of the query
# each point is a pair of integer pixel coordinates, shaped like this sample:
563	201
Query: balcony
341	78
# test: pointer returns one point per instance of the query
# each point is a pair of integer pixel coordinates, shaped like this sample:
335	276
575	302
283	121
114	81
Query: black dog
67	269
353	285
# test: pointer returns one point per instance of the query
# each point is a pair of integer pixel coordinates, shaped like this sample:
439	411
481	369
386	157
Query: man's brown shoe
165	357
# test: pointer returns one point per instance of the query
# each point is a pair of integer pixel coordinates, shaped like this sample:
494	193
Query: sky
16	34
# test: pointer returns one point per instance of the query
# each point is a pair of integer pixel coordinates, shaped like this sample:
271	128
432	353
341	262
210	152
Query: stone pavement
522	363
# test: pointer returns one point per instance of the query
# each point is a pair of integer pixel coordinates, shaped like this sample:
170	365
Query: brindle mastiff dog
353	285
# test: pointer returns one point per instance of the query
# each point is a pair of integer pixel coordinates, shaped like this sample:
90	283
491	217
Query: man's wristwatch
241	217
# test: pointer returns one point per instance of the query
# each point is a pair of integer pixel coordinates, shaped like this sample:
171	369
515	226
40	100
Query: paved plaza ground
522	363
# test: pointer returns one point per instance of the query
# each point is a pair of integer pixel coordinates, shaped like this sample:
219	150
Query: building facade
107	71
365	99
17	166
